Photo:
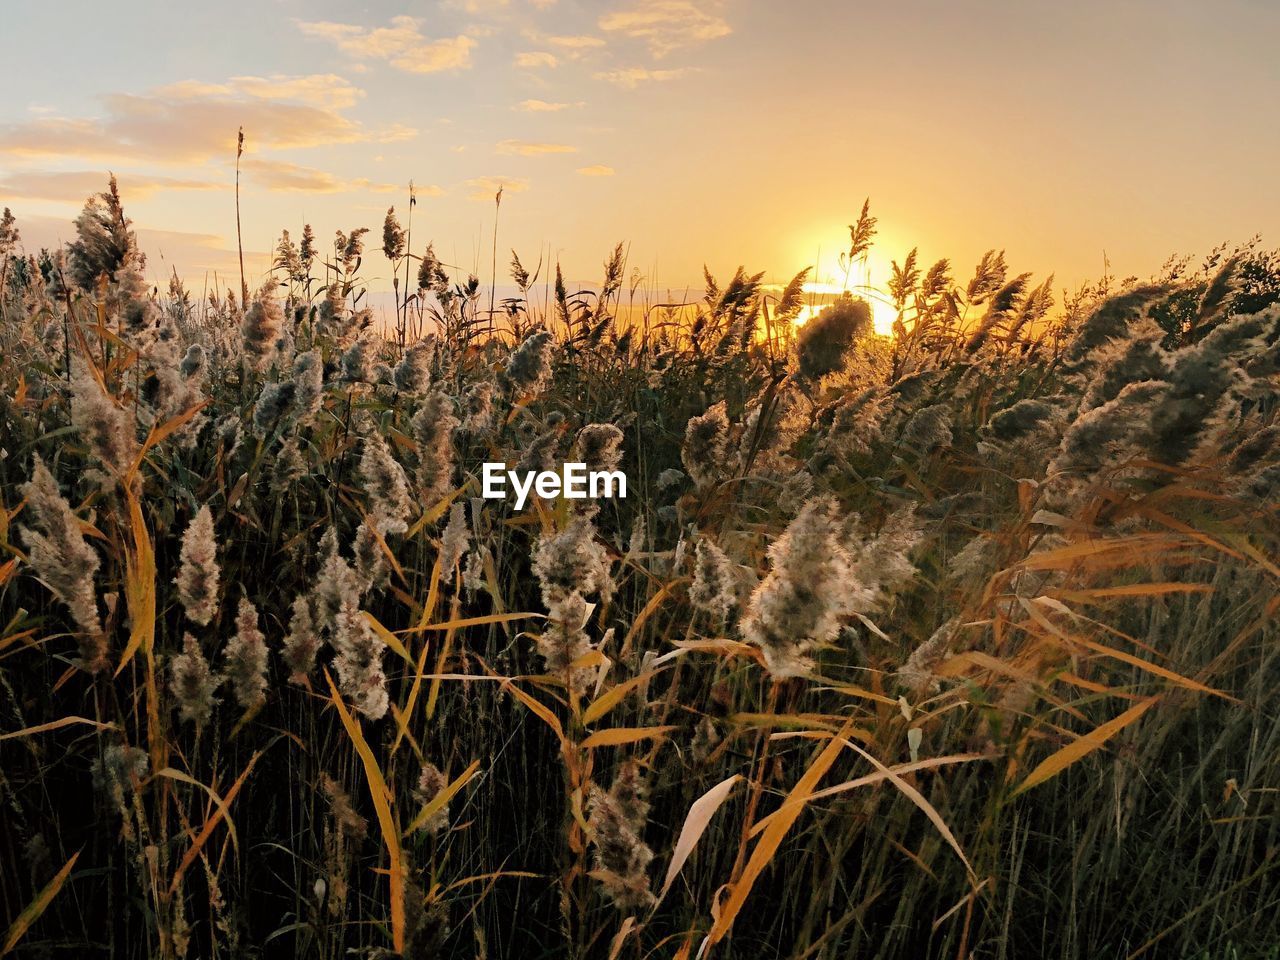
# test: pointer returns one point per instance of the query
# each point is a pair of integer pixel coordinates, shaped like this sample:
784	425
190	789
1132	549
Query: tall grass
956	643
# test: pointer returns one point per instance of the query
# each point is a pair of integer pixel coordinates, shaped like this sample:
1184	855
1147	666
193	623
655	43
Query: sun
831	277
822	295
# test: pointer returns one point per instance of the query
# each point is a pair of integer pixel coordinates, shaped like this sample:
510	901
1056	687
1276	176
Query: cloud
75	186
576	42
326	90
532	60
279	175
596	170
195	122
479	6
632	77
542	106
522	148
666	25
402	44
485	188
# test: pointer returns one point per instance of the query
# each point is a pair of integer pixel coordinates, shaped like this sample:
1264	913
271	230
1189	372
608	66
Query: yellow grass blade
914	795
1054	764
56	725
647	611
476	621
1126	548
433	695
381	797
773	836
1163	672
218	802
139	583
434	513
1135	590
389	638
695	825
538	708
441	799
221	813
872	778
618	736
428	610
620	938
19	927
161	433
614	695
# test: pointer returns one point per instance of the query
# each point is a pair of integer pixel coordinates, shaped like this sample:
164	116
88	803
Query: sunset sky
724	131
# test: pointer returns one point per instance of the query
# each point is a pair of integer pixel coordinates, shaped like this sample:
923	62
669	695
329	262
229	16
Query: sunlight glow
823	294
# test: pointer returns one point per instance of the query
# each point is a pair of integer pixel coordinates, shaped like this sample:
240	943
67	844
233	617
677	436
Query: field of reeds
957	643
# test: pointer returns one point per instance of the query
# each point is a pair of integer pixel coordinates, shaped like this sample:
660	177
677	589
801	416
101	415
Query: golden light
821	295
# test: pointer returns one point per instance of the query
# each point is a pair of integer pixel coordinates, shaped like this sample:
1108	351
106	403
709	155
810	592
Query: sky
716	132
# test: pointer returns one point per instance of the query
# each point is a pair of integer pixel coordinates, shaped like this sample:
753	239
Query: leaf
773	836
428	608
139	583
878	777
538	707
1054	764
475	621
389	638
441	799
695	825
56	725
210	825
613	696
620	937
647	611
161	433
382	806
434	513
617	736
31	914
218	802
925	806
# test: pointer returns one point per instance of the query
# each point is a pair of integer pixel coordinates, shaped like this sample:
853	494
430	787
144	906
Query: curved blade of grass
222	813
773	836
695	825
618	736
441	799
613	696
540	709
382	806
476	621
878	777
1054	764
20	926
218	802
389	638
56	725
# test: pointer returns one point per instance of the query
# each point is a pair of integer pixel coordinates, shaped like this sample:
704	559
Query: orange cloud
283	176
522	148
666	25
484	188
402	44
542	106
194	123
631	77
596	170
576	42
534	59
76	186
